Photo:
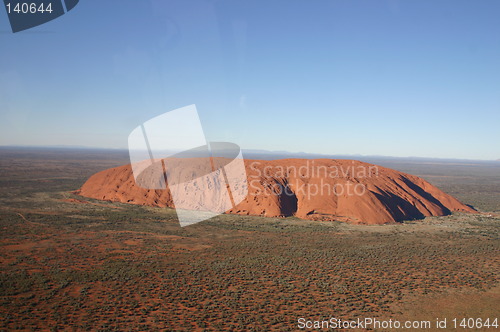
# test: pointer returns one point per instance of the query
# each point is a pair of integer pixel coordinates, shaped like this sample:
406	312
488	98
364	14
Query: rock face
319	189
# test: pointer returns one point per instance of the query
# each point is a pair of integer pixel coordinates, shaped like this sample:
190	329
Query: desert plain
75	263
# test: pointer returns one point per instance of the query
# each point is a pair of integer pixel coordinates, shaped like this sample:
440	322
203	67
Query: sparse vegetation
106	266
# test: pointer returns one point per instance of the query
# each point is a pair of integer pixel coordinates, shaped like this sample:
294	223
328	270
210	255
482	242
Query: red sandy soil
320	189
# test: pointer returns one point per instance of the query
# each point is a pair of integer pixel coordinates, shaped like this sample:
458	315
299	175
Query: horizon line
254	151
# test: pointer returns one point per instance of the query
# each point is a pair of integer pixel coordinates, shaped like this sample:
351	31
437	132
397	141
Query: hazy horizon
249	151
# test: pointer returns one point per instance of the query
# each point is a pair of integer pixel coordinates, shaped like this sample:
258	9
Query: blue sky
398	78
